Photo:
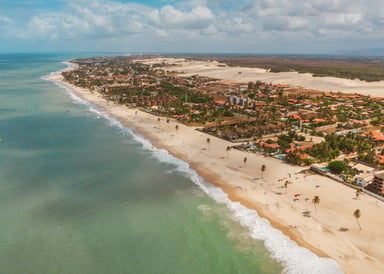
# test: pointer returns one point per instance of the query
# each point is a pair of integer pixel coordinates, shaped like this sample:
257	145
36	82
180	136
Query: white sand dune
245	75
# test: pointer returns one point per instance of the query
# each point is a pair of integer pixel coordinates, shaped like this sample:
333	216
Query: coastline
353	250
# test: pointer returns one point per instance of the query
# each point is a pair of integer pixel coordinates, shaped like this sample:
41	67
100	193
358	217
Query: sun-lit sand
329	231
244	75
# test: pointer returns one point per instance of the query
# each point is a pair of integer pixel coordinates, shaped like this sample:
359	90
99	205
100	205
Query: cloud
6	25
235	25
112	19
99	20
5	20
108	19
198	20
172	18
339	17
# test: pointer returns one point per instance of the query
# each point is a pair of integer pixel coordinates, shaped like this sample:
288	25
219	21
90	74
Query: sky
191	26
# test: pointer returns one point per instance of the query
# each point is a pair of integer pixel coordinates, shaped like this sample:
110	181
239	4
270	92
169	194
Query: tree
336	166
316	201
228	149
357	215
263	168
357	194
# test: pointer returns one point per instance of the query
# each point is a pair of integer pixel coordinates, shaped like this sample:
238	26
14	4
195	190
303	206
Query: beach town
304	156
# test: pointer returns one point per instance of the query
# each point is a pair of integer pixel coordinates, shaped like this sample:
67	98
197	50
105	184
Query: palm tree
316	201
228	149
357	194
357	215
208	142
263	168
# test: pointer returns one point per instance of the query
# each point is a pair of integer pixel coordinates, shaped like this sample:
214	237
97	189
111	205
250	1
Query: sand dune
245	75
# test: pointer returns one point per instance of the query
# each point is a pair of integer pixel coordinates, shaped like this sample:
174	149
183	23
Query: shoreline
263	195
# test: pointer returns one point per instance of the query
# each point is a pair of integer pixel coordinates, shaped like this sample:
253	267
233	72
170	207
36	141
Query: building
377	186
235	100
360	181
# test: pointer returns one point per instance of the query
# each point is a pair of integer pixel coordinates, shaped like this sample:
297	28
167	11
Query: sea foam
295	259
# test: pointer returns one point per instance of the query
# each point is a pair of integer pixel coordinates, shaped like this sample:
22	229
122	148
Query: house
362	181
229	134
377	185
319	120
377	136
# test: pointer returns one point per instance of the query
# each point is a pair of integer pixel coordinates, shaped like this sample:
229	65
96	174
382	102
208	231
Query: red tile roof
377	136
270	145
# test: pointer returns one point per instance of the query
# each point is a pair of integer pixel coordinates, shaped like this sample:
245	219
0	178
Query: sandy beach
329	231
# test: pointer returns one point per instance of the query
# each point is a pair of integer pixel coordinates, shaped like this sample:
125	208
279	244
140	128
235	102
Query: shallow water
79	194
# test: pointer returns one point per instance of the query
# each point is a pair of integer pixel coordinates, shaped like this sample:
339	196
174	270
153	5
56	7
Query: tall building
377	185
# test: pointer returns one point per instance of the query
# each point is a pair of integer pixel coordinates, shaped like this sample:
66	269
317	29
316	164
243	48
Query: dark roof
380	175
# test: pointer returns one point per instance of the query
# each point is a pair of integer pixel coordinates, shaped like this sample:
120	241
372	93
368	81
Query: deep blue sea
81	194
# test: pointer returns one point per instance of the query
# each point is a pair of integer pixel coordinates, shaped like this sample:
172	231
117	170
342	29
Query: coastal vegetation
337	167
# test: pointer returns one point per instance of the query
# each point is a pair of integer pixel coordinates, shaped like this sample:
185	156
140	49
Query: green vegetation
334	144
336	167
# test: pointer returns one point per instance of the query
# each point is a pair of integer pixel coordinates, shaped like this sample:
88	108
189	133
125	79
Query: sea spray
295	259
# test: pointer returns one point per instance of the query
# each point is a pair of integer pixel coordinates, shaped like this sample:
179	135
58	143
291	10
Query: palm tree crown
316	201
357	215
263	168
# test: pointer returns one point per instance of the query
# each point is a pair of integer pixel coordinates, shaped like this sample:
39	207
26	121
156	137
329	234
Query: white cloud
111	19
5	20
223	20
235	25
197	18
311	17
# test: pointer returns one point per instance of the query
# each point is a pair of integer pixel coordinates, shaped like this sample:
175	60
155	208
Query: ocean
80	193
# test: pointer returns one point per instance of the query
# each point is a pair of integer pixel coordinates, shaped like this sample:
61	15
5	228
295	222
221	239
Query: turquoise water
79	194
281	156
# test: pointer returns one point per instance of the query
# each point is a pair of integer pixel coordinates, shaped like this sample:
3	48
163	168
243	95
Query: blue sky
209	26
